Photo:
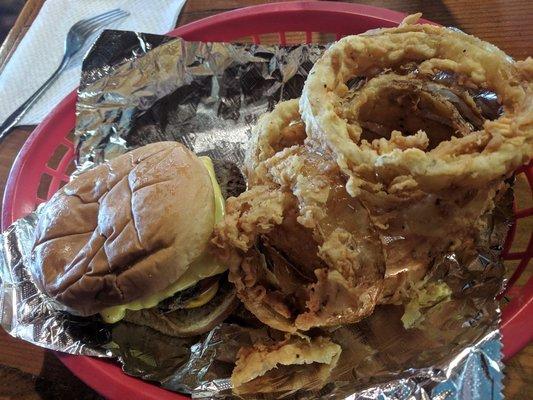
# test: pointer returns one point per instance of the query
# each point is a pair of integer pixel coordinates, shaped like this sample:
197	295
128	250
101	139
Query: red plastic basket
34	177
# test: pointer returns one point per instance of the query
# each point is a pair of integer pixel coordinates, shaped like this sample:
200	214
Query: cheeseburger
130	239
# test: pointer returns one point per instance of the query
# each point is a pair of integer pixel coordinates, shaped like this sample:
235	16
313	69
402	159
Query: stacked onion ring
401	69
391	159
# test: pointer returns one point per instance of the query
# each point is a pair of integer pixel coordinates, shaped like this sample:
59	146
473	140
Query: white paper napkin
40	51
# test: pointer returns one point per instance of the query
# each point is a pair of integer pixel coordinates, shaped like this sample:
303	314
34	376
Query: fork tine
84	23
96	17
102	21
90	22
94	20
78	25
102	24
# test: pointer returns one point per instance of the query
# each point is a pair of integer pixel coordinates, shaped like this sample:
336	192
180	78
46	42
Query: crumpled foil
138	89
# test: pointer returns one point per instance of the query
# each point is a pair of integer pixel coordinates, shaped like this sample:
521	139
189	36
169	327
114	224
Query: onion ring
299	236
473	160
273	132
278	367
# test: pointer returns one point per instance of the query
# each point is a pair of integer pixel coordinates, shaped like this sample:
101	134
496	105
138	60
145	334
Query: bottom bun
189	322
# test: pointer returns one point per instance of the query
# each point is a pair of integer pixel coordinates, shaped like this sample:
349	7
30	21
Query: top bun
124	229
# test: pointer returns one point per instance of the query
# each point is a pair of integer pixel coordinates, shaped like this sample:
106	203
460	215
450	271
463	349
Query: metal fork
77	36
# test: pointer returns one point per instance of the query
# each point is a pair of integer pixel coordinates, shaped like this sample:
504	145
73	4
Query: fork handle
17	115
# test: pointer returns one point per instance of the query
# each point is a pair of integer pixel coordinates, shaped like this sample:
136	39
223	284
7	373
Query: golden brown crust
253	213
278	367
494	151
357	252
124	229
354	231
273	132
310	260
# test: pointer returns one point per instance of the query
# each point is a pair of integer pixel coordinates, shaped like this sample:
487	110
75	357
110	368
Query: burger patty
183	322
182	299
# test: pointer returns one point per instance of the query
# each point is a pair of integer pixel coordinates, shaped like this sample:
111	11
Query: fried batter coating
400	157
426	122
309	259
319	257
271	135
255	212
296	278
278	367
390	161
403	74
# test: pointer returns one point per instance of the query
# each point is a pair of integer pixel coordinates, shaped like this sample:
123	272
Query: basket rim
105	377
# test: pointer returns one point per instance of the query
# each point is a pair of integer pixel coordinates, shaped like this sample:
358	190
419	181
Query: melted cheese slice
203	267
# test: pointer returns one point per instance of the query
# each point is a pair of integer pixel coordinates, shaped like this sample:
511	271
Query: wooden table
29	372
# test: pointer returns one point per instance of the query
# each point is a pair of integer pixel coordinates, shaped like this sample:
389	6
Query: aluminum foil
205	95
138	89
